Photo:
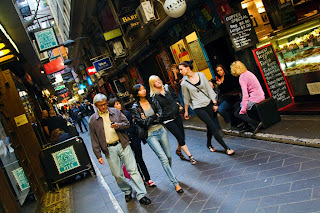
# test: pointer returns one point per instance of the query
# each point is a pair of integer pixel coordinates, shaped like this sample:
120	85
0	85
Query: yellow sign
21	120
112	34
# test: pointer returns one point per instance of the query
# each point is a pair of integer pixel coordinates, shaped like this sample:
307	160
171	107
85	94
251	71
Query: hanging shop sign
62	91
60	87
240	29
91	70
128	19
102	64
112	34
273	76
54	66
46	39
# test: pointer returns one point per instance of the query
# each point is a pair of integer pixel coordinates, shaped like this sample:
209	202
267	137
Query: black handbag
142	133
181	109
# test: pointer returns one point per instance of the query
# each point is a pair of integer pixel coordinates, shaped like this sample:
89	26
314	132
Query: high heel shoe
179	153
179	190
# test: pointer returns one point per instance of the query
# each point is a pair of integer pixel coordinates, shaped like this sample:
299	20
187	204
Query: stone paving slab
261	177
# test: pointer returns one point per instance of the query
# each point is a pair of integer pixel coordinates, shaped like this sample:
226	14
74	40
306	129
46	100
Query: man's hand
114	125
101	161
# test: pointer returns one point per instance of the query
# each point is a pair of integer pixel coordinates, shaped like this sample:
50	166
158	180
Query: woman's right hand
186	115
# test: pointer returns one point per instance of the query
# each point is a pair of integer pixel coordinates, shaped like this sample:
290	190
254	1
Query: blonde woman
252	94
198	93
171	119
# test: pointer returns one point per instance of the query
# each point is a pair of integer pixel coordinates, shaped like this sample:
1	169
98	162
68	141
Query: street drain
58	201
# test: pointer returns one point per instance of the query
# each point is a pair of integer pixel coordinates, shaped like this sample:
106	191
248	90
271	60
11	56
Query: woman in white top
198	93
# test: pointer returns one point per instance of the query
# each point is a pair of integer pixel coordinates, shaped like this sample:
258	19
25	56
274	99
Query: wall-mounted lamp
70	42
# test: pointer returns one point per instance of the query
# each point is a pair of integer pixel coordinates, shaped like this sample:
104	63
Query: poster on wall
273	76
198	55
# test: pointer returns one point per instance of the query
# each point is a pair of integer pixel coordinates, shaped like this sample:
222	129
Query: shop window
11	167
188	49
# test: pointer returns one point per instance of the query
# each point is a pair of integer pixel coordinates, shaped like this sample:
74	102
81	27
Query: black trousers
80	122
176	128
251	117
206	114
140	162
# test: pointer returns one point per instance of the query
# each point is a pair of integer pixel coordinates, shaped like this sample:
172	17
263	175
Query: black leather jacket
146	123
168	103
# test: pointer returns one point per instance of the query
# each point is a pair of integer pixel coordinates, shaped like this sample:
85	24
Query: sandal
230	152
192	160
211	149
179	153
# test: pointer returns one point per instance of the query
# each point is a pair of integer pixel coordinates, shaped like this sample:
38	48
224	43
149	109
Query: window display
298	50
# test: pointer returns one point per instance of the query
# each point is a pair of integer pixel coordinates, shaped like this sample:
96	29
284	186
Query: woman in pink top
252	94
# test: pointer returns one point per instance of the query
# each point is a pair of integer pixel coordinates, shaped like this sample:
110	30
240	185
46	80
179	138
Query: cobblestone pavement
261	177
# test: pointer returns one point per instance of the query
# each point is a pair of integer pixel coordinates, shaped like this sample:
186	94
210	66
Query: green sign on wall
46	39
21	178
66	159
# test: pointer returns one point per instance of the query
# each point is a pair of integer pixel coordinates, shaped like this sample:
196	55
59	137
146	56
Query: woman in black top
170	112
227	94
135	142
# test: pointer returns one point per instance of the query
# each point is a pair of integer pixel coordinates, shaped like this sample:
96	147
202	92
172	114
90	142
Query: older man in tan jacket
107	131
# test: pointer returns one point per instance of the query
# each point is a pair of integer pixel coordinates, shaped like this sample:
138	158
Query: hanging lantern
175	8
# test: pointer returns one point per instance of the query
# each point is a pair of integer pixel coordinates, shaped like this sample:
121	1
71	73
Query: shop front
295	38
21	139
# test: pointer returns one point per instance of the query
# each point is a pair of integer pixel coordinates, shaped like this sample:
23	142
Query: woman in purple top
252	94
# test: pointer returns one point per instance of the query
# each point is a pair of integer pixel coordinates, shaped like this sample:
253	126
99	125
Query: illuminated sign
89	81
91	70
54	66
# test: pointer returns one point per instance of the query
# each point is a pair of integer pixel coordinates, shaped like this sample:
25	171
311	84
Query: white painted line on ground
114	201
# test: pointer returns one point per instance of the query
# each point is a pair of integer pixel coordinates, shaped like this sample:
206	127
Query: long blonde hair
152	80
237	68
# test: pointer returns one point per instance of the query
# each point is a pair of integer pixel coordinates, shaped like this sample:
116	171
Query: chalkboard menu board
271	71
240	29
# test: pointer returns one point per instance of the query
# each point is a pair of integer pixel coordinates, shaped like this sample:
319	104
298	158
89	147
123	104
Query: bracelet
215	104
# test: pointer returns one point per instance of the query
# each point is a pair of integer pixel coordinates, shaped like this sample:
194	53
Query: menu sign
240	29
273	76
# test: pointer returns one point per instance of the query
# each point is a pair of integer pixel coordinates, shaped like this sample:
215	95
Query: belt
113	144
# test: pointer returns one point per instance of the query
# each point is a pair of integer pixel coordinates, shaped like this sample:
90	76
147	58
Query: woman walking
147	115
135	143
252	94
199	95
171	119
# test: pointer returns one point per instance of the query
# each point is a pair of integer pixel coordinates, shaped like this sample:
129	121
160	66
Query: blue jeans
116	156
223	111
159	143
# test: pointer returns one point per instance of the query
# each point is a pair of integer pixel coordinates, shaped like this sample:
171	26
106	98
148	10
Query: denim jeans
159	143
223	110
116	156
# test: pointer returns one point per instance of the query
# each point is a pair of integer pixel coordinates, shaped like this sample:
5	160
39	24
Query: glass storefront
11	167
